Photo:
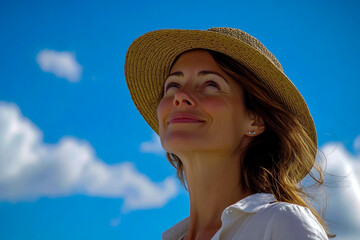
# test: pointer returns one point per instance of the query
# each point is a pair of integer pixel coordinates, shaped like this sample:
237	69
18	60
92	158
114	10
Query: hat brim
150	57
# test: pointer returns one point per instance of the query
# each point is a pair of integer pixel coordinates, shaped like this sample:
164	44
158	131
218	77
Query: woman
236	129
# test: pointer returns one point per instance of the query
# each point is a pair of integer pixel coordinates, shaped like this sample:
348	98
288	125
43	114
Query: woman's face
202	108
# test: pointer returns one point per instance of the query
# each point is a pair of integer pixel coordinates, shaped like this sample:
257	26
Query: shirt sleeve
296	222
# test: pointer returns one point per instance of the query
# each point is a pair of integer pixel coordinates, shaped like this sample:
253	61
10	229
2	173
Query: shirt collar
177	231
253	203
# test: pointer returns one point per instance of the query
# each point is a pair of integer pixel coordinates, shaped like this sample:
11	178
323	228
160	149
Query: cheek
220	113
163	110
214	103
229	116
217	108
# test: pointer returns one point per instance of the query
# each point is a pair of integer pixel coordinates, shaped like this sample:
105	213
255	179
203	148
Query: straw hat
150	57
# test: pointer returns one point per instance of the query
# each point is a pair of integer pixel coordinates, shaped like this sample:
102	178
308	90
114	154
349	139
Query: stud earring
253	132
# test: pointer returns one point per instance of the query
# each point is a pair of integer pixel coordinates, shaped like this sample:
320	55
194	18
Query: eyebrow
179	74
201	73
211	72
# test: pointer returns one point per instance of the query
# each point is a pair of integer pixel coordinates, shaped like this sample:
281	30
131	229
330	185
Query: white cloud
357	145
343	198
30	169
115	222
153	146
62	64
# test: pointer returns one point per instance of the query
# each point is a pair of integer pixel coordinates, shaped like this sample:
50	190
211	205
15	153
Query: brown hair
273	161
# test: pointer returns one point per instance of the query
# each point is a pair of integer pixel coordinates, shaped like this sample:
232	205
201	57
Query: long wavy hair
273	161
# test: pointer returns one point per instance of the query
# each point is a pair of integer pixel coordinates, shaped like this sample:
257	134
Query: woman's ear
257	125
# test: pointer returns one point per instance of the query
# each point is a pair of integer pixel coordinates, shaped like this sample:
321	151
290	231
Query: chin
180	142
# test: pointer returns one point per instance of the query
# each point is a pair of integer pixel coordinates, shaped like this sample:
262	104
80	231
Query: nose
181	98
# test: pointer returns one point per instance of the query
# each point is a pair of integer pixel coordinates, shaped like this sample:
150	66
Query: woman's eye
171	85
212	84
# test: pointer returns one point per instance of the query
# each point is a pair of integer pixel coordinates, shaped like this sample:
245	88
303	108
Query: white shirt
260	216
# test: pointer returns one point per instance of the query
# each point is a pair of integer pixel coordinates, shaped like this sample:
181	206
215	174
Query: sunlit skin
203	120
216	119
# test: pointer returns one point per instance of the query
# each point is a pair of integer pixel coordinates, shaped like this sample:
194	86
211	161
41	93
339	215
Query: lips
184	118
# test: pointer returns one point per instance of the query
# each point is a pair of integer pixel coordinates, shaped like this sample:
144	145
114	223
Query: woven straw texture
150	56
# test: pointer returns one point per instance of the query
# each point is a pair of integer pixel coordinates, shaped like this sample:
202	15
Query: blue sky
76	158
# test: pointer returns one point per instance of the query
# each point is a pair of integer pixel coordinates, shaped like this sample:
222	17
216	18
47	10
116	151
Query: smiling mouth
184	118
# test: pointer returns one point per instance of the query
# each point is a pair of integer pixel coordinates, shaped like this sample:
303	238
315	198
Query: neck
214	183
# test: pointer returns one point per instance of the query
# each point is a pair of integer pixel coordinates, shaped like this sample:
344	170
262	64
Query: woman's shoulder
291	221
285	209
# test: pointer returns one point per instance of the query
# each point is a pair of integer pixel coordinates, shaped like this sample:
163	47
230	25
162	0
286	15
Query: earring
253	133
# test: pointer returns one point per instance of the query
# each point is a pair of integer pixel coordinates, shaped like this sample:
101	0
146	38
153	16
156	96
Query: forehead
195	59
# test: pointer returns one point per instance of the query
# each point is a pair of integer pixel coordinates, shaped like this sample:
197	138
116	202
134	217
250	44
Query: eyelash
177	85
212	83
171	84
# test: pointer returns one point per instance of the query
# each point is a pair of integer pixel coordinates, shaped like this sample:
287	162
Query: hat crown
150	57
249	40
